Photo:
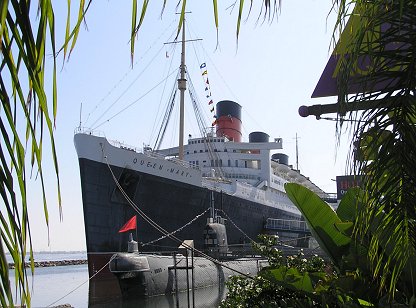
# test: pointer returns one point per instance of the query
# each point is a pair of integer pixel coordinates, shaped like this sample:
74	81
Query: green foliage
266	247
384	151
353	265
269	10
322	221
283	284
26	114
261	292
293	281
296	281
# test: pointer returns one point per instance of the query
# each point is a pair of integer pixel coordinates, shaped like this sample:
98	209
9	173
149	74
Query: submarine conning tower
228	114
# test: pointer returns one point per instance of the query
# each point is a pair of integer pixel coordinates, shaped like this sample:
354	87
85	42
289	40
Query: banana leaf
321	219
349	205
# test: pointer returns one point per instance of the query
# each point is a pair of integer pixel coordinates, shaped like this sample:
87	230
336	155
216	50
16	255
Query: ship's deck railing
177	161
210	184
145	151
88	131
98	133
286	225
330	198
124	146
181	162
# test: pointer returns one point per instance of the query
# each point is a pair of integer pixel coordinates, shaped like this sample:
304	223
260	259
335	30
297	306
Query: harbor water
70	285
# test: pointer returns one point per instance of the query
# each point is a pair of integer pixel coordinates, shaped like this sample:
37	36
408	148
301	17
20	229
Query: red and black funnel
228	122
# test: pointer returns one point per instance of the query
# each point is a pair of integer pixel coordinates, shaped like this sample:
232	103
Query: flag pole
137	238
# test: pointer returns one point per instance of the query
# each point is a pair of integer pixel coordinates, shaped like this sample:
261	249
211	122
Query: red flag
130	225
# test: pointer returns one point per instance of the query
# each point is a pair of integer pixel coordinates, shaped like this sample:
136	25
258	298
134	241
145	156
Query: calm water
53	286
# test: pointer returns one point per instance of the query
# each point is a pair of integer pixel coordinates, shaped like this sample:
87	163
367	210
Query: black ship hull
171	204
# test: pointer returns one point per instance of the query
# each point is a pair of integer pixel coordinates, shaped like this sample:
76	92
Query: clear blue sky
271	73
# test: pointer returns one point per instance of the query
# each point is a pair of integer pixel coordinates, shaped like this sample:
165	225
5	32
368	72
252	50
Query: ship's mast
182	88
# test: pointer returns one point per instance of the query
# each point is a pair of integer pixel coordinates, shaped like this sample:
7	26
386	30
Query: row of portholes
234	176
206	140
206	151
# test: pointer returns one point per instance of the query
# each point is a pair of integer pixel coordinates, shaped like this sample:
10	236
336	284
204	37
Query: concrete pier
52	263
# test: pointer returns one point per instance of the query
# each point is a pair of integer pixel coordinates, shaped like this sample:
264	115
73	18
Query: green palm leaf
386	154
23	46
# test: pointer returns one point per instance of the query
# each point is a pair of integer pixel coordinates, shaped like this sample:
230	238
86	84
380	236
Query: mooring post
193	278
176	280
187	278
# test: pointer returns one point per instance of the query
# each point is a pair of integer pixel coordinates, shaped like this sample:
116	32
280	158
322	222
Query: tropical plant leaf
371	142
321	220
290	277
3	13
72	36
26	114
386	132
133	28
349	205
345	228
216	14
240	13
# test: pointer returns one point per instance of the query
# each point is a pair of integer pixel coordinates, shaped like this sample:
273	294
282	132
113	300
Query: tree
381	63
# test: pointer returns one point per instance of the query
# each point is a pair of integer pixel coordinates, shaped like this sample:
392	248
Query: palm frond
26	116
269	10
381	61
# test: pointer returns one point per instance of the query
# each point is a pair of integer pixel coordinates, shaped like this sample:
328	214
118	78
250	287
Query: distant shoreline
52	263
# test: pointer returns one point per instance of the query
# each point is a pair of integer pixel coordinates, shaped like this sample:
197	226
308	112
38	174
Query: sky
270	72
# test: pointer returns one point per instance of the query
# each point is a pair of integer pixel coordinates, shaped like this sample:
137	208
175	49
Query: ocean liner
171	190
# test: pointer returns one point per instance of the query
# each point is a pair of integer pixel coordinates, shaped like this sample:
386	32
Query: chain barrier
177	230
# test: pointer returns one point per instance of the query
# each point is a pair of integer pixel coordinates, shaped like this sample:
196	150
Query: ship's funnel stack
258	137
228	121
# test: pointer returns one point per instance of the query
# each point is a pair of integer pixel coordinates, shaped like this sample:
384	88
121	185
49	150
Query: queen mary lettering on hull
172	194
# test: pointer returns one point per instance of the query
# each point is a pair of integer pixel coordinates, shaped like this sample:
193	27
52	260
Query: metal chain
177	230
232	222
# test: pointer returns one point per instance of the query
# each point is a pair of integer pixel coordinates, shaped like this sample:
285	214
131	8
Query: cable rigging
145	68
162	230
133	103
166	118
161	100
